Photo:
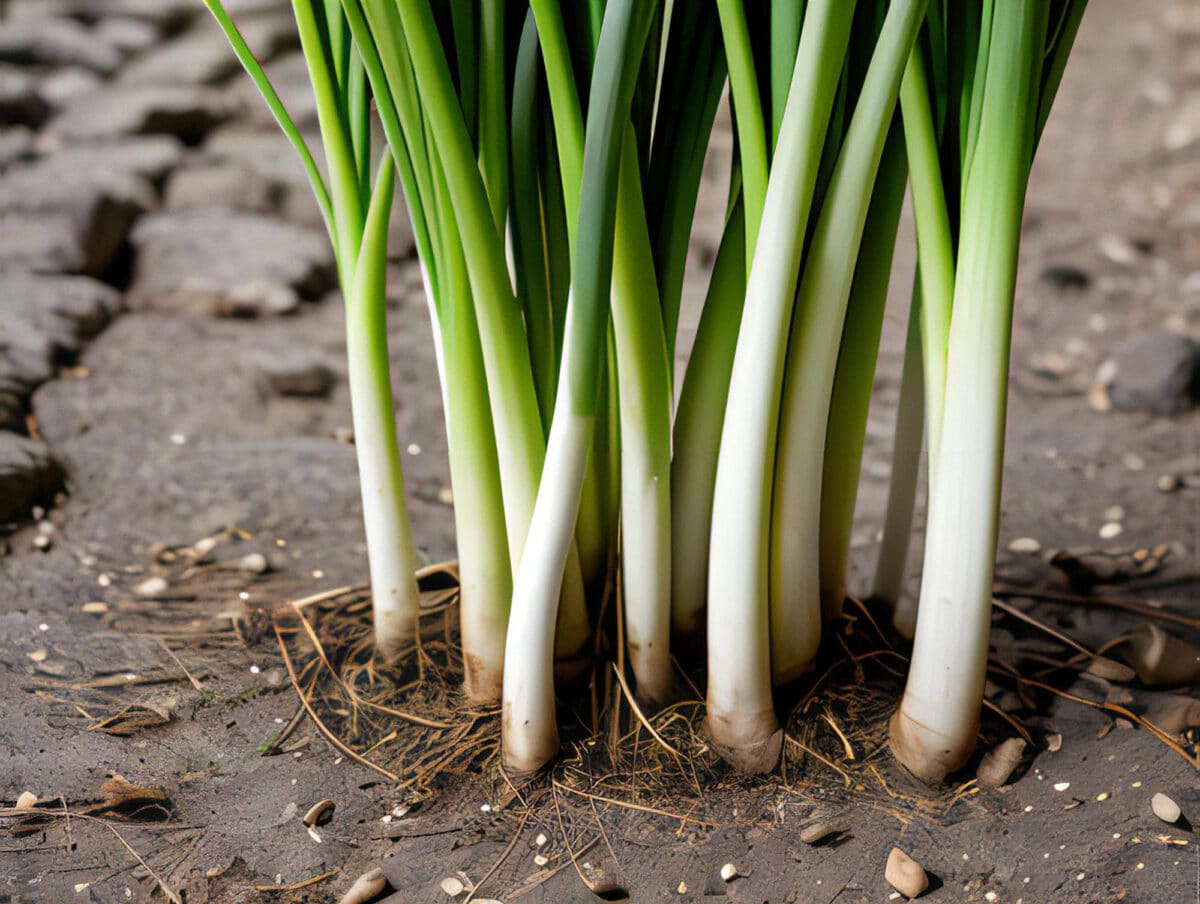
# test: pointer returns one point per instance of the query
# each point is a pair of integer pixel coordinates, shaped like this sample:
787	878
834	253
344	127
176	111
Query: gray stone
55	42
221	184
54	242
21	100
165	15
270	163
184	111
127	34
64	85
28	475
224	263
297	374
99	201
148	157
202	56
1157	371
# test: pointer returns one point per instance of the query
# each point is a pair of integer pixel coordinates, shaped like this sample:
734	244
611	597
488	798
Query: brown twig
296	886
162	883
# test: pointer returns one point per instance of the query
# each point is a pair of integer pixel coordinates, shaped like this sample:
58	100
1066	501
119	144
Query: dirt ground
168	436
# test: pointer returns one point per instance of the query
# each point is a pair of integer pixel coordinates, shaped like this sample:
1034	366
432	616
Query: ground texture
170	341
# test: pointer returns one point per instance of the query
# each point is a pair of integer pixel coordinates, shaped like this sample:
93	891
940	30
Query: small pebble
1165	808
1025	545
365	887
254	670
814	832
540	840
1111	530
904	874
682	889
452	886
990	896
1079	877
25	801
1054	743
1061	786
446	496
43	542
151	586
178	439
255	563
1133	461
94	608
541	859
1102	796
729	872
1114	513
413	449
1167	483
999	762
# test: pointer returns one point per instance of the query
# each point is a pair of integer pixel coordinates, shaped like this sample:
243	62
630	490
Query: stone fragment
28	475
64	85
999	762
297	374
53	41
184	111
225	263
904	874
1156	371
1165	808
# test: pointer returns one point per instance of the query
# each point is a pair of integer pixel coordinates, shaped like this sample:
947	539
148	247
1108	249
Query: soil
168	436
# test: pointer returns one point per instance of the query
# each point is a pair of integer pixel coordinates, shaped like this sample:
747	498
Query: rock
1174	713
231	185
21	100
904	874
147	156
65	308
1156	371
224	263
452	886
28	475
1162	659
365	888
298	374
54	242
164	15
1025	545
263	164
818	831
1165	808
202	56
999	762
25	801
126	34
100	203
55	42
182	110
64	85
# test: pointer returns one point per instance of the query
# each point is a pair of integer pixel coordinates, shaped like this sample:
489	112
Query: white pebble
541	859
413	449
178	439
1061	786
1111	530
254	670
452	886
540	840
729	872
1165	808
1025	544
